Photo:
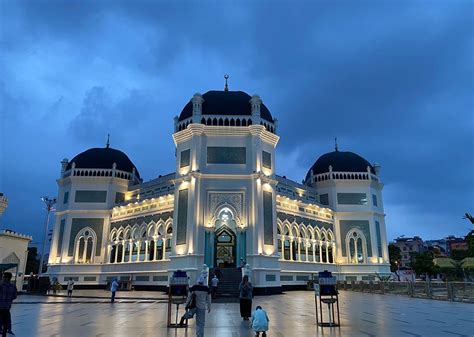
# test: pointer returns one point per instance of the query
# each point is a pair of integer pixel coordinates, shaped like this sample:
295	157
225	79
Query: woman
245	289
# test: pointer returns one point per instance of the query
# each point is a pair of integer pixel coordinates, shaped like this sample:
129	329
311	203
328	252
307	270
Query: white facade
13	255
223	203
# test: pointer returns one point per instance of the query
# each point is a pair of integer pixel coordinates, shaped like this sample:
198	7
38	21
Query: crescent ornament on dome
226	87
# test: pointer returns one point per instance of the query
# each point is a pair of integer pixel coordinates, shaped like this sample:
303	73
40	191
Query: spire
226	88
108	141
335	144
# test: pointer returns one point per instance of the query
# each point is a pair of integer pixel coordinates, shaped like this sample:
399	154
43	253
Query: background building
13	250
223	204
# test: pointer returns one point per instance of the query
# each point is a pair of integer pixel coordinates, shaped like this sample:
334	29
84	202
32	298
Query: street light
49	203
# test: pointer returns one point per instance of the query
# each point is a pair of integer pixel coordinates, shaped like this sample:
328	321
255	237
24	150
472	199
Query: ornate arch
220	208
84	235
354	234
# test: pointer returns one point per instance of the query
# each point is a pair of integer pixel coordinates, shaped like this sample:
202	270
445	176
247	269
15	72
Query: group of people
199	301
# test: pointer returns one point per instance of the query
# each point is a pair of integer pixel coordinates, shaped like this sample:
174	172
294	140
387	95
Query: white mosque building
224	203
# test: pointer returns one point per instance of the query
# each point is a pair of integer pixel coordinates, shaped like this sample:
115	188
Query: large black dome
225	103
342	161
103	158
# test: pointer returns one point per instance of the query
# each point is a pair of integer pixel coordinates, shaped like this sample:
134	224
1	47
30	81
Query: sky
392	80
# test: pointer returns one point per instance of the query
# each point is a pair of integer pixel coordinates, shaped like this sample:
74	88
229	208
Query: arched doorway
225	248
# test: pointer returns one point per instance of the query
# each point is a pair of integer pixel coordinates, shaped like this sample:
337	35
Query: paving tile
291	315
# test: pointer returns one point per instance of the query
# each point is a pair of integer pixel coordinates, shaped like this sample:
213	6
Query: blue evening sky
393	80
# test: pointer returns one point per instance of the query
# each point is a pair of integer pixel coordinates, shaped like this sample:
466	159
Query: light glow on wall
181	249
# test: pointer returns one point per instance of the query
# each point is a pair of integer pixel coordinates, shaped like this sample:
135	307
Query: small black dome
103	158
232	103
342	161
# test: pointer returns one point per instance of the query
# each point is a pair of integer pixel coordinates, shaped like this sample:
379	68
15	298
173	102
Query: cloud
393	81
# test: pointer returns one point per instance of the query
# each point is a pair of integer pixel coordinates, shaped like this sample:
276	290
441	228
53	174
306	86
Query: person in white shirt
214	282
70	287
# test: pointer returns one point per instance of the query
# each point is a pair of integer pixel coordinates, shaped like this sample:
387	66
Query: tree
32	262
469	217
395	256
422	263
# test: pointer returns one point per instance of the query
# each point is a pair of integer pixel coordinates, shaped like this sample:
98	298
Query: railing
80	172
345	176
451	291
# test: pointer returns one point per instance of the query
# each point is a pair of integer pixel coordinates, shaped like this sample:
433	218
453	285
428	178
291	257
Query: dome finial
335	144
226	88
107	145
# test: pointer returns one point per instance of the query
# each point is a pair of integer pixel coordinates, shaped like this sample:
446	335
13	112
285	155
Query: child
260	322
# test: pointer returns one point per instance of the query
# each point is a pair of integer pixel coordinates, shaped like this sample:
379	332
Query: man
70	287
7	295
113	289
214	282
201	294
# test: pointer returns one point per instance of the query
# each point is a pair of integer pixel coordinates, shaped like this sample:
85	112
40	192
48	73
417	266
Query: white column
306	243
291	249
116	252
164	248
146	250
156	247
314	250
320	252
123	251
282	239
299	248
130	248
139	248
84	253
327	252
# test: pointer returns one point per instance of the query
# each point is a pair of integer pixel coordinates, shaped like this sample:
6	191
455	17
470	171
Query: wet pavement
291	314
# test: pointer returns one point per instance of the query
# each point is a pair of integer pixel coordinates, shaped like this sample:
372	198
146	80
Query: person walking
260	322
7	295
70	287
113	288
245	296
214	282
201	294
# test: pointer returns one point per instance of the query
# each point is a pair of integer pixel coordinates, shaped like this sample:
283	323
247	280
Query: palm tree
469	217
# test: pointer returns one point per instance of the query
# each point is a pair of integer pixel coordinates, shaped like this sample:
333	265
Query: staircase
228	283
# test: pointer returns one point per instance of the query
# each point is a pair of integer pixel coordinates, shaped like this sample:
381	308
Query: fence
451	291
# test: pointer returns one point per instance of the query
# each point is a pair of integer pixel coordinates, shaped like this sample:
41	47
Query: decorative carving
234	201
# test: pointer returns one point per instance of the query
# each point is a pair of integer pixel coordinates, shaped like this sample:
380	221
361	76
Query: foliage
395	256
422	263
33	261
459	254
469	217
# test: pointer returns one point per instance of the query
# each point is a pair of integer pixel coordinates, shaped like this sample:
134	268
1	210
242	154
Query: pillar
291	249
146	250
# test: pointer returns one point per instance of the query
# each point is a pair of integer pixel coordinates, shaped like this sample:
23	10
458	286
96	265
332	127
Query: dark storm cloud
392	80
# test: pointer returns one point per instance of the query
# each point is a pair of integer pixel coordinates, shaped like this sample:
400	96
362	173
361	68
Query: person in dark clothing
245	295
218	273
7	295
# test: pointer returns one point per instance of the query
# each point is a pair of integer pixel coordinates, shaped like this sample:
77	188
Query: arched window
286	243
142	248
356	247
169	235
85	246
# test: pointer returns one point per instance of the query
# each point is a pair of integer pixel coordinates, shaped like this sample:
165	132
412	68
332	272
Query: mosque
223	204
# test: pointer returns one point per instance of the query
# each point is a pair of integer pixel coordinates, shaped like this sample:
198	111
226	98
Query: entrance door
224	246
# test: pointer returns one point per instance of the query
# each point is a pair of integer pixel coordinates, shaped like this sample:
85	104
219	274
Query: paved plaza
291	314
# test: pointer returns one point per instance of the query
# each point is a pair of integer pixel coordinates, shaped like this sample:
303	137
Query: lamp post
49	203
